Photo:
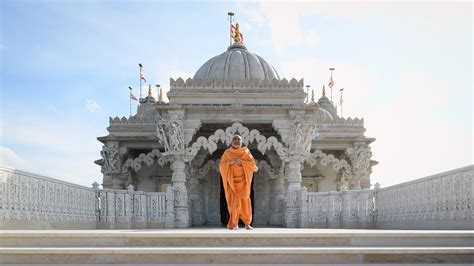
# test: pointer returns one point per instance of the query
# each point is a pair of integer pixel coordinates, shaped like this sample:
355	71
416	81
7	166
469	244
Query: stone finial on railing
95	185
377	185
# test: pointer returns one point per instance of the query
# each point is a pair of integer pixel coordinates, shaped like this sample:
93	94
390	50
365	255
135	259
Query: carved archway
248	136
148	159
325	159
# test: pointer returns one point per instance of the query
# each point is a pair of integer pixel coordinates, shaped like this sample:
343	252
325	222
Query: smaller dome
323	115
327	105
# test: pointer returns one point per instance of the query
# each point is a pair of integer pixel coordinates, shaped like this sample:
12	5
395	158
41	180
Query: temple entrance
208	206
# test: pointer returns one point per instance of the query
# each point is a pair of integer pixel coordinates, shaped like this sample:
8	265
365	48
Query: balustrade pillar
181	210
293	193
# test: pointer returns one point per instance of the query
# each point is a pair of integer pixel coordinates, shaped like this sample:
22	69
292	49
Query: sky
406	68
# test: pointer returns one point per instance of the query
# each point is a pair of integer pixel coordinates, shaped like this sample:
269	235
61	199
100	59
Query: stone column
293	193
180	192
276	216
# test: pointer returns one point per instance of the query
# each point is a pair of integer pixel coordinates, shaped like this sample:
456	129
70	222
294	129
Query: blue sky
406	68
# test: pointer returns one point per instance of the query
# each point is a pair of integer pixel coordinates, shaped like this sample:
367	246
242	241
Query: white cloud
92	106
411	141
9	157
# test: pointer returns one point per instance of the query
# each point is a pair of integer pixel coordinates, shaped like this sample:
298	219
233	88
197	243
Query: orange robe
237	179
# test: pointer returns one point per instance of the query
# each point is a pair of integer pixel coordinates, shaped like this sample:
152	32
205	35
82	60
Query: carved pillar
112	157
276	216
293	193
360	158
180	192
195	200
170	217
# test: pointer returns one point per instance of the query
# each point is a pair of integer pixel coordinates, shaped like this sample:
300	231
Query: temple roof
236	64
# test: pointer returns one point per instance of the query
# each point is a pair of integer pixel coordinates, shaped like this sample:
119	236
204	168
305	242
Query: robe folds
237	179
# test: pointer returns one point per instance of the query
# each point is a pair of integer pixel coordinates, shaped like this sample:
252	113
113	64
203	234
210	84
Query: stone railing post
180	192
95	186
107	209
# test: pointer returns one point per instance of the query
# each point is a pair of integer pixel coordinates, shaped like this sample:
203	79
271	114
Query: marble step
220	237
239	255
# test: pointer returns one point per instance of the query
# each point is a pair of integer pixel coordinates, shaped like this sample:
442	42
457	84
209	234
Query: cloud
412	140
9	157
92	106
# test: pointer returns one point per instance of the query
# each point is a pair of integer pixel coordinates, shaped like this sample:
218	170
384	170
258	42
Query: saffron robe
236	179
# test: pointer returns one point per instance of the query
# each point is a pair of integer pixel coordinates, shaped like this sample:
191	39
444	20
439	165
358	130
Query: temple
301	145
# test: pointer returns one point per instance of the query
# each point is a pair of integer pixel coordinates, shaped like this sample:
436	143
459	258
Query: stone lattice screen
33	201
441	201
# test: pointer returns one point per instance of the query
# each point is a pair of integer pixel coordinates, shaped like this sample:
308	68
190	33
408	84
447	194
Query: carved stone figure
110	156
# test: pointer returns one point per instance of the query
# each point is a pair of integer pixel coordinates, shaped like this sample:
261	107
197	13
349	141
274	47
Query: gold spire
324	91
149	90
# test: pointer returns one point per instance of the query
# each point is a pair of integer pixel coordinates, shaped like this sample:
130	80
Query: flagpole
230	14
130	99
307	93
340	102
140	77
331	69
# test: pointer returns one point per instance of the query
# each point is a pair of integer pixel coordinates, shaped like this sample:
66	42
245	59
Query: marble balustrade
441	201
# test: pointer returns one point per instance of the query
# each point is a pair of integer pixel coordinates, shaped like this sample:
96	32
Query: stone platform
221	246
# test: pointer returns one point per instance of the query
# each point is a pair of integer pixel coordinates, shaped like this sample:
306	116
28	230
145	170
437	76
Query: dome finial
324	91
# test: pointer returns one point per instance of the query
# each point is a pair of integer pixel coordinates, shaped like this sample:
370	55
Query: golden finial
312	95
324	91
237	33
149	90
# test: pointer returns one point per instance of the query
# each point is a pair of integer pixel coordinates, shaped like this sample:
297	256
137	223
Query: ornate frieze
243	84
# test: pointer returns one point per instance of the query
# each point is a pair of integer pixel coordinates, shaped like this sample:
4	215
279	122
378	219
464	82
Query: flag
233	32
331	82
142	77
133	97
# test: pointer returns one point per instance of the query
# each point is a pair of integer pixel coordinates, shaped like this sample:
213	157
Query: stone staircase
221	246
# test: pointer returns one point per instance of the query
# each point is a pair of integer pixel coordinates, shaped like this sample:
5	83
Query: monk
237	167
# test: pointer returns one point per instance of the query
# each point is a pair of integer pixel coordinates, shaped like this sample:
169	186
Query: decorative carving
148	159
265	83
360	158
263	144
301	136
325	159
171	135
111	159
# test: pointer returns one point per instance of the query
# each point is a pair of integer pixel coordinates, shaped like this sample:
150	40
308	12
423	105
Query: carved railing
135	209
346	209
443	200
27	199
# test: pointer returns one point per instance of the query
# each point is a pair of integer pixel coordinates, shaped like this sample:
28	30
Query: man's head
236	141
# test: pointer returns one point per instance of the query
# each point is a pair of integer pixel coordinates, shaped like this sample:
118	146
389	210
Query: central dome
236	64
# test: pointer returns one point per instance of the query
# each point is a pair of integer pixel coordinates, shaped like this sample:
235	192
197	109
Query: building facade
301	145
